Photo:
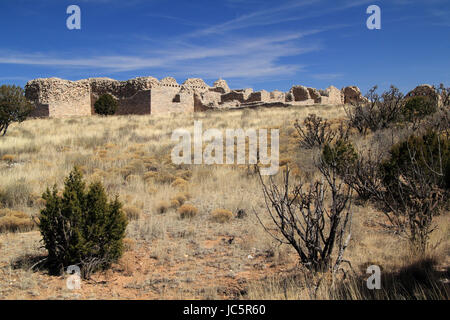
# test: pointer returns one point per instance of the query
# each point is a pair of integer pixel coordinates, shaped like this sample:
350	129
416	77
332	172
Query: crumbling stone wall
299	93
314	94
146	95
133	95
221	86
40	111
331	96
140	103
278	96
59	98
259	96
171	99
196	84
233	96
425	90
352	95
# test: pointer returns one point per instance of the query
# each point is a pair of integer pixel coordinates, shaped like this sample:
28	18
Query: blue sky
250	43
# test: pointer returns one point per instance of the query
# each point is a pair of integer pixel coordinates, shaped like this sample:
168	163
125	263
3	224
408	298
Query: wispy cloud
263	17
237	57
230	55
277	14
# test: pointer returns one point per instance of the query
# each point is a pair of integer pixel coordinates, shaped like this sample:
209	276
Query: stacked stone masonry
59	98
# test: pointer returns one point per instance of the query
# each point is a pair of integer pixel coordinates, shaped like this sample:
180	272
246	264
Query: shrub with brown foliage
132	212
221	215
187	211
162	207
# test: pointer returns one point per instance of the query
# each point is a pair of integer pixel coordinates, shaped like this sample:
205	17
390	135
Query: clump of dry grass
162	207
127	265
16	193
187	211
174	203
164	177
180	198
418	279
148	176
8	158
129	244
132	212
179	183
15	221
221	215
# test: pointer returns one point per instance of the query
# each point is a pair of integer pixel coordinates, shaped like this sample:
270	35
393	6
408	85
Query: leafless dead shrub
304	220
315	133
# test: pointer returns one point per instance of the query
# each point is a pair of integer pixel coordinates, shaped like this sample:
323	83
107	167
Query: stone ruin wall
133	96
425	90
59	98
166	100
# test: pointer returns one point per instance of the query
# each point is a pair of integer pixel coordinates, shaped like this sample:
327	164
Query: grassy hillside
204	257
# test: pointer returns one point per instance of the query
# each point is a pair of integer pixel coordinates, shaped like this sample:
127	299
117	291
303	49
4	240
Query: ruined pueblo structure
59	98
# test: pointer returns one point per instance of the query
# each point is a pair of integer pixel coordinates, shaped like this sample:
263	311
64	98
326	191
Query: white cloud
263	17
277	14
234	57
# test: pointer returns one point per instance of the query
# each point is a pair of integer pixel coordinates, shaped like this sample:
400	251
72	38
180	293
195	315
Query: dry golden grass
168	257
8	158
221	215
180	198
179	182
187	211
15	221
132	212
162	207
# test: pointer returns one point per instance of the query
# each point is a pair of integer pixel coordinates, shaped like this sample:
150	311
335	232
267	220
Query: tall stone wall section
133	96
139	103
169	99
59	98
